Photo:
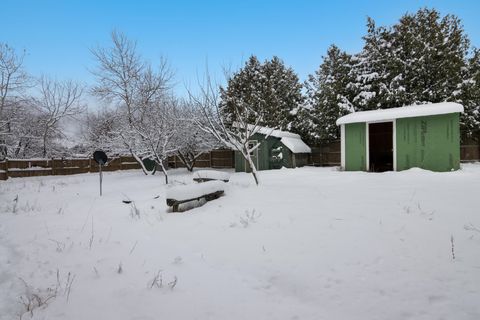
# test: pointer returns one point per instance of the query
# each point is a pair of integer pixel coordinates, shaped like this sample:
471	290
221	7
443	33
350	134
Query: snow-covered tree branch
236	135
57	100
13	80
137	91
190	140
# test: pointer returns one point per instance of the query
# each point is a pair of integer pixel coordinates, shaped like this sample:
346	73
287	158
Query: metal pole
100	179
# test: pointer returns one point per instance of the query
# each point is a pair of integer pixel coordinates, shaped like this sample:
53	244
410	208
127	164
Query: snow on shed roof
275	133
402	112
296	145
290	140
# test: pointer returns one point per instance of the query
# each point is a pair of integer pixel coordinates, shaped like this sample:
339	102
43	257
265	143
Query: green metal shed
425	136
277	149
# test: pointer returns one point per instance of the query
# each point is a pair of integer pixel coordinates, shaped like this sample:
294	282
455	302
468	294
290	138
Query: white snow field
309	243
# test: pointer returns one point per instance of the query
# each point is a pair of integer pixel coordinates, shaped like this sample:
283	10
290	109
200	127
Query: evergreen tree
372	69
241	90
468	94
418	60
429	57
283	94
421	59
271	89
329	94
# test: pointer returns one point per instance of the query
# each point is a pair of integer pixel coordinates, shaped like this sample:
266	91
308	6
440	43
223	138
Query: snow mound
193	191
402	112
211	175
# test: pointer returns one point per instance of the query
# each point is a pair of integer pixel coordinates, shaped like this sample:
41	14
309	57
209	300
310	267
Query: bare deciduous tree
13	80
237	135
190	140
100	131
57	100
154	129
125	79
25	130
118	72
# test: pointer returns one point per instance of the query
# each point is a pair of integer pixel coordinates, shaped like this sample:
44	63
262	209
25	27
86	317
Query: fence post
6	168
52	165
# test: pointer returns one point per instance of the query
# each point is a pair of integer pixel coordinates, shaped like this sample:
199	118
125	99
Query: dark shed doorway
380	145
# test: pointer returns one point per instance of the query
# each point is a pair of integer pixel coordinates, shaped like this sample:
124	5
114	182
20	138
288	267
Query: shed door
380	145
355	147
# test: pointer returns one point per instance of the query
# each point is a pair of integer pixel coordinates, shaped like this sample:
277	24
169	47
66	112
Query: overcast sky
57	35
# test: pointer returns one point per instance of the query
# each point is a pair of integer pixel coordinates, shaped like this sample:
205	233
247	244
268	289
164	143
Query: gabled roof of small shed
296	145
402	112
276	133
290	140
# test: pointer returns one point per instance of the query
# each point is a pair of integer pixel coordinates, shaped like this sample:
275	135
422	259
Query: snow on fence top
402	112
296	145
193	191
212	175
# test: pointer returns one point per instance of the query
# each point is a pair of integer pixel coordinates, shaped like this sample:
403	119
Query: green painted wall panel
355	146
239	162
263	151
264	154
431	142
287	157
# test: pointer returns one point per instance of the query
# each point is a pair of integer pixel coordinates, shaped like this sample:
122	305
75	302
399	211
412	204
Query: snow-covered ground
310	243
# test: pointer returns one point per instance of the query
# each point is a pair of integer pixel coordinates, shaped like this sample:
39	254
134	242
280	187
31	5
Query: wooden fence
327	154
219	159
470	152
50	167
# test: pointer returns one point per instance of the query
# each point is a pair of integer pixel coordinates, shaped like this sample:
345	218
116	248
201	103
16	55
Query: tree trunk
140	162
254	169
164	170
18	148
3	149
188	160
45	145
26	145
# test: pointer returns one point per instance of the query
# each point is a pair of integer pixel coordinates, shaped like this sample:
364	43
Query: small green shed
425	136
277	149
